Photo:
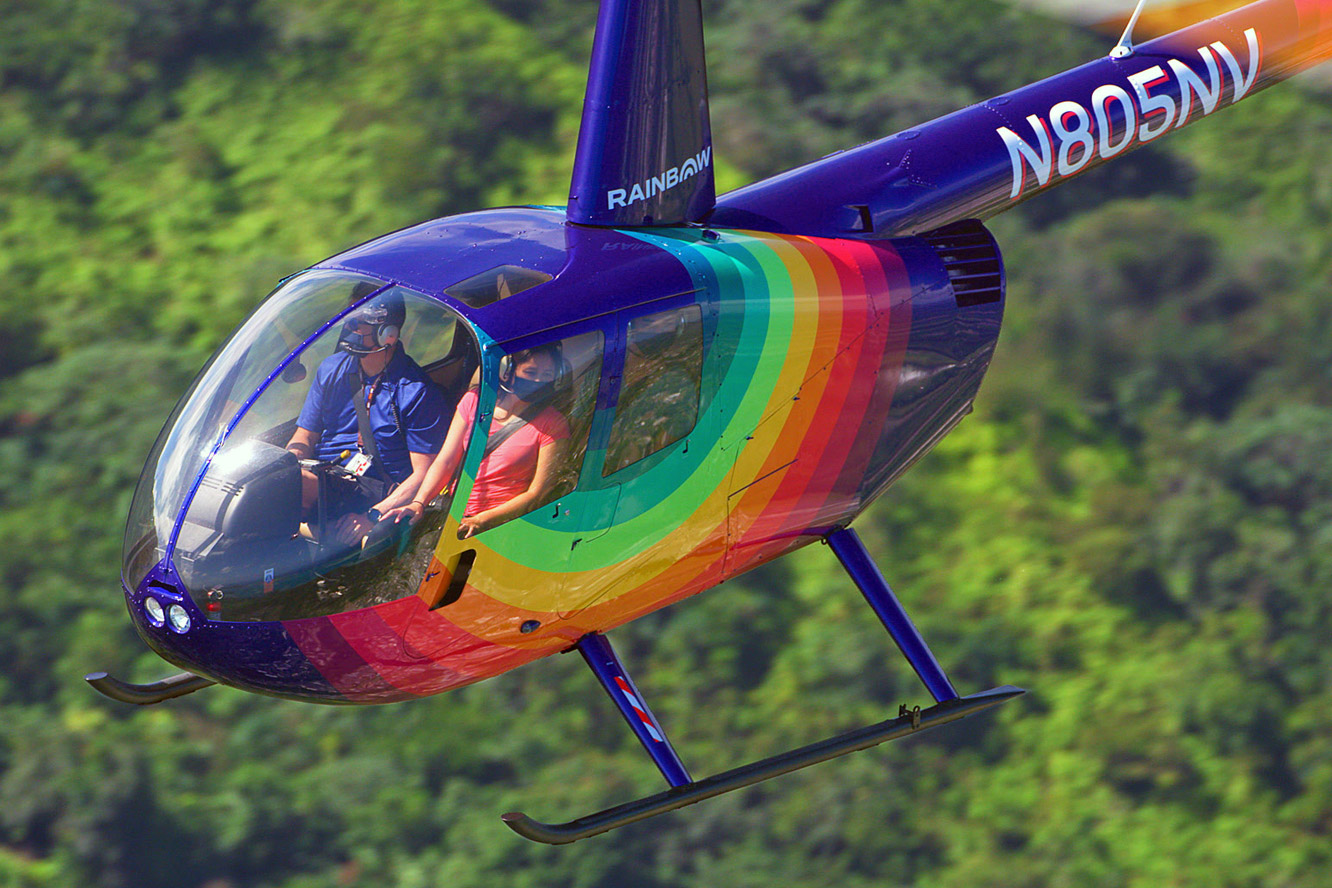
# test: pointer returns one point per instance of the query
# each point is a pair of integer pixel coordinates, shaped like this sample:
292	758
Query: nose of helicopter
256	656
238	562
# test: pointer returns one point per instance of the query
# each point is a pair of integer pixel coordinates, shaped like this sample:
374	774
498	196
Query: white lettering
1150	104
1069	138
663	181
1242	86
1021	154
1190	84
1074	136
1101	100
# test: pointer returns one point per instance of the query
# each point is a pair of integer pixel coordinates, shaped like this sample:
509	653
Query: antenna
1124	48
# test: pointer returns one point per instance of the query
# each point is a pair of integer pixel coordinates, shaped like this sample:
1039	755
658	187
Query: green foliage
1136	525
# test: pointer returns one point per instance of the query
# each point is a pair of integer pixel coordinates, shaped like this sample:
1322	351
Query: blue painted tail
645	145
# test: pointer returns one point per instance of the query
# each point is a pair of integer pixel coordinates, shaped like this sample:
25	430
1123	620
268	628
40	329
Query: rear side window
659	389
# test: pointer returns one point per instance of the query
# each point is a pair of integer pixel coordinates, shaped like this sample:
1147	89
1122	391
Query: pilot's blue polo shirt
417	425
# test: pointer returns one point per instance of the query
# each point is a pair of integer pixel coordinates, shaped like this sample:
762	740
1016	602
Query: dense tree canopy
1136	523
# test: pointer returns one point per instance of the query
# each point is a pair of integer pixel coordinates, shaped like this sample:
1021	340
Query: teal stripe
751	344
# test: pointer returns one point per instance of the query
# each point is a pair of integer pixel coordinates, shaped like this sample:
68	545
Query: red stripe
346	670
804	496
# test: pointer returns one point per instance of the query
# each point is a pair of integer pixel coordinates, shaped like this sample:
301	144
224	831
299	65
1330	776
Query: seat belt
507	431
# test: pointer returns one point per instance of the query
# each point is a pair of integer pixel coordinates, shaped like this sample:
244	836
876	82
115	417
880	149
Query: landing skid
909	722
146	694
610	672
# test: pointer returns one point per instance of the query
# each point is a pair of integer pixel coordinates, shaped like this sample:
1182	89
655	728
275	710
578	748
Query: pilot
658	401
527	437
403	411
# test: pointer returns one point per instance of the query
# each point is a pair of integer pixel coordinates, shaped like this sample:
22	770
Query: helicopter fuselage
824	368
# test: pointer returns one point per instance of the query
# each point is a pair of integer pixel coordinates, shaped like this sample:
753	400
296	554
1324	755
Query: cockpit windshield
333	397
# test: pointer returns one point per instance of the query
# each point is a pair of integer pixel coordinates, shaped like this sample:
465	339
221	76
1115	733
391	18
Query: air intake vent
972	258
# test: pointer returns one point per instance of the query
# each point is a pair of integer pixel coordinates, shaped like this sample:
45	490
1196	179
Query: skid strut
848	548
597	651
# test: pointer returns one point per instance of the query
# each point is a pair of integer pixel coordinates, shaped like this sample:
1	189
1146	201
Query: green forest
1135	523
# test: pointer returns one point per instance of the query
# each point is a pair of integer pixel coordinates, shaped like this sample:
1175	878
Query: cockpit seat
242	527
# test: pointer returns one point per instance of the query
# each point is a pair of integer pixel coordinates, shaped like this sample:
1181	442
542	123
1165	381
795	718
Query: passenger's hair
551	350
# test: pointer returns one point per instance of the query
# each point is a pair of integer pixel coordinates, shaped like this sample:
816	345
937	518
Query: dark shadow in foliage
1145	309
83	64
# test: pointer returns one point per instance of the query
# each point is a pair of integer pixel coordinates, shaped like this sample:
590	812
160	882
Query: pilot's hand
352	529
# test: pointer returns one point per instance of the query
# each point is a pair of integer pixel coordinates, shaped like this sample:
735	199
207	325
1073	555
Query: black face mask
529	390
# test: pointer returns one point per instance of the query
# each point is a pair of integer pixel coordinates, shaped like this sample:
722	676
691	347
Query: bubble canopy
249	527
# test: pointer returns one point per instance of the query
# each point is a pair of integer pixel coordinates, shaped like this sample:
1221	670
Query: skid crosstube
909	722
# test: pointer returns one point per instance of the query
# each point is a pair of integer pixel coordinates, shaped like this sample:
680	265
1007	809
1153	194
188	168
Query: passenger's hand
411	513
471	526
474	524
352	529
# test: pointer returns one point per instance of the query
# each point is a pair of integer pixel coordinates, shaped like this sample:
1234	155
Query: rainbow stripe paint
806	342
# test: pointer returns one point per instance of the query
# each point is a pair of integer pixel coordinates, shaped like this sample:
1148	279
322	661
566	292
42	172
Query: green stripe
760	328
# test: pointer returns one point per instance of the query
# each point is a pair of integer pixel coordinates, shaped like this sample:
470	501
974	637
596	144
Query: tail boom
981	160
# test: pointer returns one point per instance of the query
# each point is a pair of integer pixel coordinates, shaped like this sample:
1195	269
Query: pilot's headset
534	393
386	314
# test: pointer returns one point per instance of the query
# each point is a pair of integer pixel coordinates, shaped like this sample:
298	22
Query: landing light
153	608
180	620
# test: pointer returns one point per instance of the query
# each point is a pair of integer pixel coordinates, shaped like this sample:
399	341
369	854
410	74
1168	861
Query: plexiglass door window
659	389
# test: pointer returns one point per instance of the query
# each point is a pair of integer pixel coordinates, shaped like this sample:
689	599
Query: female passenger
524	447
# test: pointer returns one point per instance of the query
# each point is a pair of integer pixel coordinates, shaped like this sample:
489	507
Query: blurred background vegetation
1136	524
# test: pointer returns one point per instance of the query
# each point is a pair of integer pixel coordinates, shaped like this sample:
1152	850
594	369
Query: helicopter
723	380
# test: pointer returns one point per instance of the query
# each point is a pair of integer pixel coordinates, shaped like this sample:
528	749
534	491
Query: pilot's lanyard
365	437
361	430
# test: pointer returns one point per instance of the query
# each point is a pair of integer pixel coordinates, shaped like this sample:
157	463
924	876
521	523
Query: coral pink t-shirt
510	468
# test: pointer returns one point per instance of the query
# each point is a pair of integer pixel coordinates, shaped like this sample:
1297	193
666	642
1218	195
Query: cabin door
652	458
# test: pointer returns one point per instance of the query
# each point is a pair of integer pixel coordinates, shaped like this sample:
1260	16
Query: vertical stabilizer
645	145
